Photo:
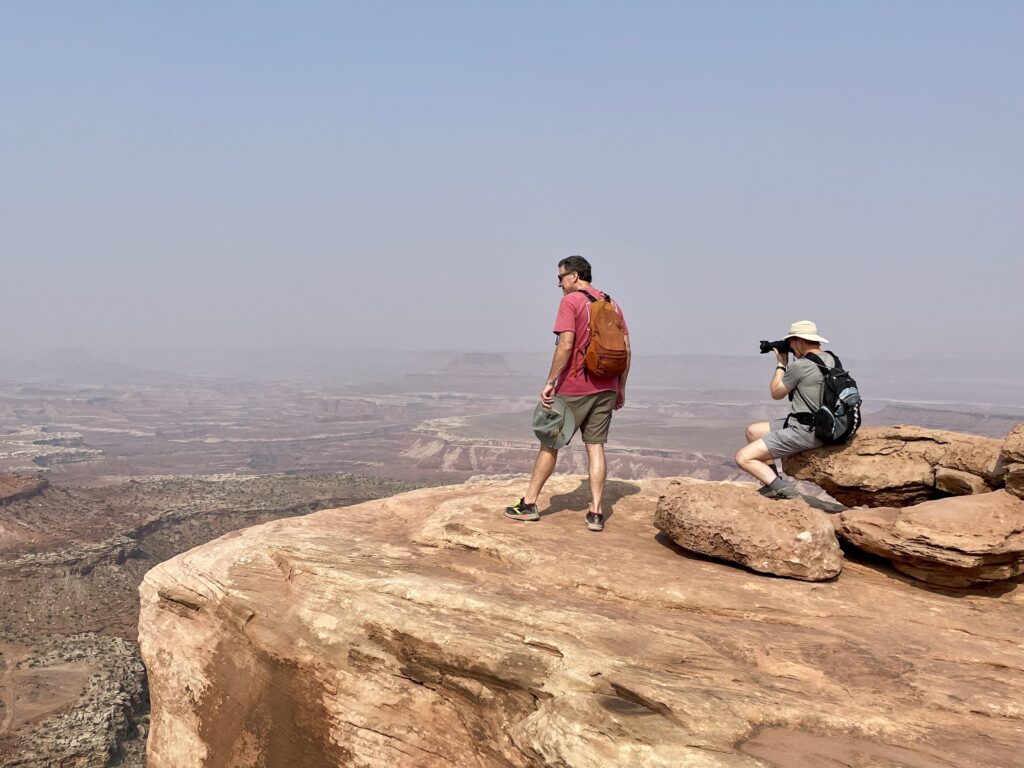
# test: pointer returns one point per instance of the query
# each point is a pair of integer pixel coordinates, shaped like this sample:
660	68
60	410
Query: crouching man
801	382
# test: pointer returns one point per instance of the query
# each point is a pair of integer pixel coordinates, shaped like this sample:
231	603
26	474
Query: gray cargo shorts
785	441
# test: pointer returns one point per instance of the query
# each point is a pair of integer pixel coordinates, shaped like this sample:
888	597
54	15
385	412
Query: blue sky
407	175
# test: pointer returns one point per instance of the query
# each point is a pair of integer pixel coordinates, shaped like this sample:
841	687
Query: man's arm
621	399
778	389
563	355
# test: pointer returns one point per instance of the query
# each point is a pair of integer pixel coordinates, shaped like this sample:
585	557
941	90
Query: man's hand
782	357
547	395
620	398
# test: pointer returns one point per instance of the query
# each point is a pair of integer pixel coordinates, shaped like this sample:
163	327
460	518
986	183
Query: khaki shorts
593	414
786	441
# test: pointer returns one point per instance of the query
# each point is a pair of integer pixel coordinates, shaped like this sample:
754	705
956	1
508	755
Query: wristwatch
780	367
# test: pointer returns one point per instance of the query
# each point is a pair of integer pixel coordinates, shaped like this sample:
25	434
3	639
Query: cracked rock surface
428	630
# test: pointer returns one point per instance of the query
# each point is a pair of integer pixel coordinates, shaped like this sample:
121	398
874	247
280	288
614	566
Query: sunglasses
563	276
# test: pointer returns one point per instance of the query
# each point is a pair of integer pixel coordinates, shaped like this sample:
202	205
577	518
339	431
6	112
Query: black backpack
839	416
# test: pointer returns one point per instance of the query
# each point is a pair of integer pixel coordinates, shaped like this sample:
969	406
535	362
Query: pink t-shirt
574	315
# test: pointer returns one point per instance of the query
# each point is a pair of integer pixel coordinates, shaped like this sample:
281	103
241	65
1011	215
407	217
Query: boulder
428	630
1013	446
902	465
955	542
1013	459
736	523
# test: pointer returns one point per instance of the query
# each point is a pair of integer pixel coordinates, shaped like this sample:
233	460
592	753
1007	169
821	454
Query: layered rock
427	630
901	465
956	542
1013	459
736	523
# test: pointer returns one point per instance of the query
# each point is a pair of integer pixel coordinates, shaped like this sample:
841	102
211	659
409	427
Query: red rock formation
899	466
957	542
427	630
1013	459
735	522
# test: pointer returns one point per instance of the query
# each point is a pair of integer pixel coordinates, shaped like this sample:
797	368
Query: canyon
111	470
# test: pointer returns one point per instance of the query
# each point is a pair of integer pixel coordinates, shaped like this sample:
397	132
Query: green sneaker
522	511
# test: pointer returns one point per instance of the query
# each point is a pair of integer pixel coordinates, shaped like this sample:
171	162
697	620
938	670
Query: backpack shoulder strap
824	371
607	297
821	363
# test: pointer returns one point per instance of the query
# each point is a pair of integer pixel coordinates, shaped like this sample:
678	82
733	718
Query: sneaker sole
528	518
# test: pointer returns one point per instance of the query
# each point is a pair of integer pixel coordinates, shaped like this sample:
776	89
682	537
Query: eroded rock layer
902	465
956	542
736	523
427	630
1013	459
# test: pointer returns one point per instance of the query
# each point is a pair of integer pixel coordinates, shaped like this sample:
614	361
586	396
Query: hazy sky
407	175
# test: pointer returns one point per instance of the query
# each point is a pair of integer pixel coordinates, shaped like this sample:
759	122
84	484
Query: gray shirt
806	378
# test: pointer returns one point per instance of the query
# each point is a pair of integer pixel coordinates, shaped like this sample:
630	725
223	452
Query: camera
782	345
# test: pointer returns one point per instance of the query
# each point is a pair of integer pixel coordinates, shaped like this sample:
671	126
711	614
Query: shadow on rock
666	541
884	567
578	500
832	507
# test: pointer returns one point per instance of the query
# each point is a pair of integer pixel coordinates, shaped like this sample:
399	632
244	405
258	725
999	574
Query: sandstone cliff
427	630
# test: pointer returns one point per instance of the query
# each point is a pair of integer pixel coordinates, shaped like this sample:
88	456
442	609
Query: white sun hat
805	329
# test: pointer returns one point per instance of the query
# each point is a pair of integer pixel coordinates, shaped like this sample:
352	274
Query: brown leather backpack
605	355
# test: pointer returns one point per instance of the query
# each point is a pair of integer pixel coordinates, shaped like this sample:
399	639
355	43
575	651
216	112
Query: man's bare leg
542	469
754	459
756	431
597	470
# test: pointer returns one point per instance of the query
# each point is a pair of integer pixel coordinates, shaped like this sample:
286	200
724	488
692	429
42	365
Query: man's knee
755	450
757	430
741	455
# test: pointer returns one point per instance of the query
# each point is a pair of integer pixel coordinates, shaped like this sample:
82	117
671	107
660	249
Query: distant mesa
490	362
473	372
36	446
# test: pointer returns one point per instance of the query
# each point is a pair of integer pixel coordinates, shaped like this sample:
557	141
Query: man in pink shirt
590	399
